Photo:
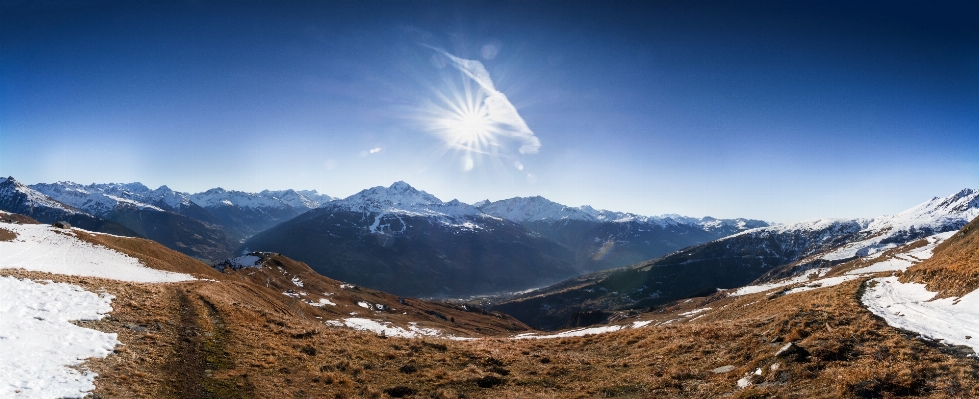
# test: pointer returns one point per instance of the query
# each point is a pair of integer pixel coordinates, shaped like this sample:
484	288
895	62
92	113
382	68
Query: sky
773	110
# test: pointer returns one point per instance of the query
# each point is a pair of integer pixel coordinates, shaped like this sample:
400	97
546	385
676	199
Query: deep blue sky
774	110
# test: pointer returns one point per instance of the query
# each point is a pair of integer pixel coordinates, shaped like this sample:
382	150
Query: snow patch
43	248
40	345
911	306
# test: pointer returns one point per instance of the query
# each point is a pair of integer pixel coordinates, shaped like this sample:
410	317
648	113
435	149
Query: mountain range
409	242
208	225
757	255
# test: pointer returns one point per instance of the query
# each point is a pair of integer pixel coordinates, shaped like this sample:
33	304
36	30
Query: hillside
954	270
255	331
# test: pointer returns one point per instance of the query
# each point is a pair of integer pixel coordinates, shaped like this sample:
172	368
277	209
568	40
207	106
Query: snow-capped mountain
400	200
540	209
102	199
239	214
761	255
603	239
30	198
163	215
410	242
245	214
819	241
219	197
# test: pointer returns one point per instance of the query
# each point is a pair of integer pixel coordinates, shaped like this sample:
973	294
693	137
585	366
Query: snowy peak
538	209
11	188
862	237
956	209
219	197
402	198
99	199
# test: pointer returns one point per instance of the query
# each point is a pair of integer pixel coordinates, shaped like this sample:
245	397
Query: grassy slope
234	338
954	269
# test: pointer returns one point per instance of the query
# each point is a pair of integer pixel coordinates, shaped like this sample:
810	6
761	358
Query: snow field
38	344
43	248
910	306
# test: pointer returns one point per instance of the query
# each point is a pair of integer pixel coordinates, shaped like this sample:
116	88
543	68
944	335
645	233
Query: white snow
910	306
38	344
693	312
637	324
572	333
823	283
43	248
297	281
906	259
386	328
753	289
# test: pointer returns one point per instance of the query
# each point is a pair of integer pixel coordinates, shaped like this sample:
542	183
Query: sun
463	121
470	129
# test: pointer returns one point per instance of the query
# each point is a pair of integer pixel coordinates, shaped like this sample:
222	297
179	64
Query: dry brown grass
7	235
236	338
16	218
954	269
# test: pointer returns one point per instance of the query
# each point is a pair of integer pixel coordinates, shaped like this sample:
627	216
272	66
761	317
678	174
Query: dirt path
203	366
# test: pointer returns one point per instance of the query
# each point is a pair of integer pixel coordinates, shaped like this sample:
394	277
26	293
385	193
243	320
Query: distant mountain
18	198
154	214
764	254
602	239
248	213
409	242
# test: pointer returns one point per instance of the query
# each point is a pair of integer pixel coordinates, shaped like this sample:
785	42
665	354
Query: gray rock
723	369
791	350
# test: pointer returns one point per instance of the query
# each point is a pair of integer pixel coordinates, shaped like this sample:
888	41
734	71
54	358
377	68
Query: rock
723	369
791	350
135	328
62	225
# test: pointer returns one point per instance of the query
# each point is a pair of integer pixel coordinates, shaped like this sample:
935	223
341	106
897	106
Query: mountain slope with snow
245	214
163	215
762	255
604	239
408	242
18	198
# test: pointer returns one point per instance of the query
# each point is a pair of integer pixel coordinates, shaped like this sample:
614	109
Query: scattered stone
62	225
791	350
723	369
135	328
